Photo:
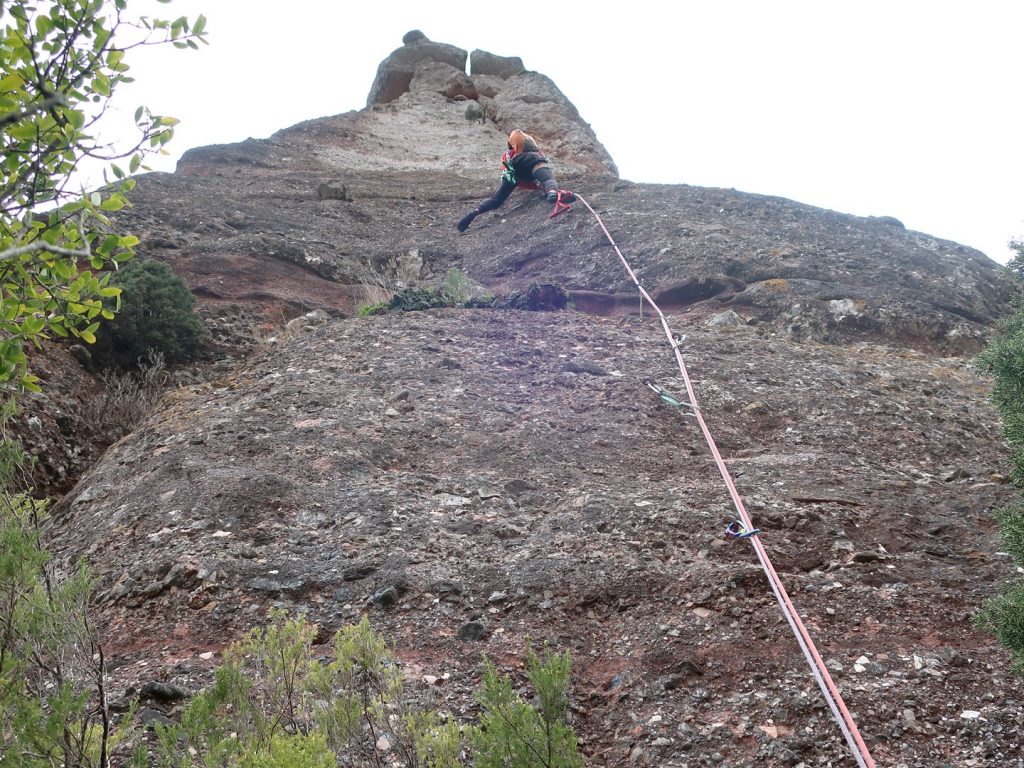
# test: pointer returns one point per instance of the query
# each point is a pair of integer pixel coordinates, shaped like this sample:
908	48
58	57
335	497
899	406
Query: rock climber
524	165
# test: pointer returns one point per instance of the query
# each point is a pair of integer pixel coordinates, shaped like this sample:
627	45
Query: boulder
332	190
439	77
395	73
484	63
533	103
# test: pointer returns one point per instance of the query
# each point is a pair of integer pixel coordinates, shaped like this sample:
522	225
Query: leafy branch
63	61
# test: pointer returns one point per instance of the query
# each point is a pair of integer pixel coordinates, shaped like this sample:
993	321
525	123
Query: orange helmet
518	141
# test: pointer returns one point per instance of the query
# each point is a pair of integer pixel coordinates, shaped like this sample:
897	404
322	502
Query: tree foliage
1016	263
514	734
1004	359
1003	615
53	699
61	62
157	317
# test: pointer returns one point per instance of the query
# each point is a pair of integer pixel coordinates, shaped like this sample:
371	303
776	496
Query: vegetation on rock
1003	615
62	62
53	697
275	703
157	317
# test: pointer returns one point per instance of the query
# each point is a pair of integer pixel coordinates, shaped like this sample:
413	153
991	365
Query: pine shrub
157	315
1003	615
53	705
276	704
514	734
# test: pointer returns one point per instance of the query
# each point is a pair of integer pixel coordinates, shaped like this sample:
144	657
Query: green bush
1003	615
454	291
1016	263
514	734
274	705
53	709
296	751
1004	359
157	316
271	687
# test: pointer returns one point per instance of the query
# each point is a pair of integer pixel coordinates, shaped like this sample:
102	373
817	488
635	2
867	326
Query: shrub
126	398
513	734
1003	615
157	315
53	705
296	751
454	291
1004	359
271	687
275	705
1016	263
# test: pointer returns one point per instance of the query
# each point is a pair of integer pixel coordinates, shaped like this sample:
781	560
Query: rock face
395	73
472	478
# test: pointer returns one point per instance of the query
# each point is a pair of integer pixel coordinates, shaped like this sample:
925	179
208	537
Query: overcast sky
901	108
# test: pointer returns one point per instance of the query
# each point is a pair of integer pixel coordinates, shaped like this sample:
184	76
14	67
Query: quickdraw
739	532
666	397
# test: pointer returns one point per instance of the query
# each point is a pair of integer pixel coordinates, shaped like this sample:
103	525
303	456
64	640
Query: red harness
506	160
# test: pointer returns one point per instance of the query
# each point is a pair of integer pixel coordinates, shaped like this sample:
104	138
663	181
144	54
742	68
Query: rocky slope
473	478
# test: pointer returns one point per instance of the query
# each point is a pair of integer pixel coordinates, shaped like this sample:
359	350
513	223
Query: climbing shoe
466	220
553	196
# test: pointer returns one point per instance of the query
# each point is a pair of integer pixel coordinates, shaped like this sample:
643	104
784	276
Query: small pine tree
157	316
513	734
271	687
53	705
1003	615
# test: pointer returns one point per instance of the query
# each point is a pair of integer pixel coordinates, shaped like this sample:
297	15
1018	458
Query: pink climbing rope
803	638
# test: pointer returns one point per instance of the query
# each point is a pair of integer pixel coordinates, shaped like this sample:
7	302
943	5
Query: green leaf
110	242
33	325
12	82
23	131
75	117
101	84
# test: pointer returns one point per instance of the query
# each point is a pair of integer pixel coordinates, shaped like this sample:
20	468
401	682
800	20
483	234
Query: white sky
902	108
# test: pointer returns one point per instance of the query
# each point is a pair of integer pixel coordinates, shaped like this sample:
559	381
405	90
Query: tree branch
53	100
38	245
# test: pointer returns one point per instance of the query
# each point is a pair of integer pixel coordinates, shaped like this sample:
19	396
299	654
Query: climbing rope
745	529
